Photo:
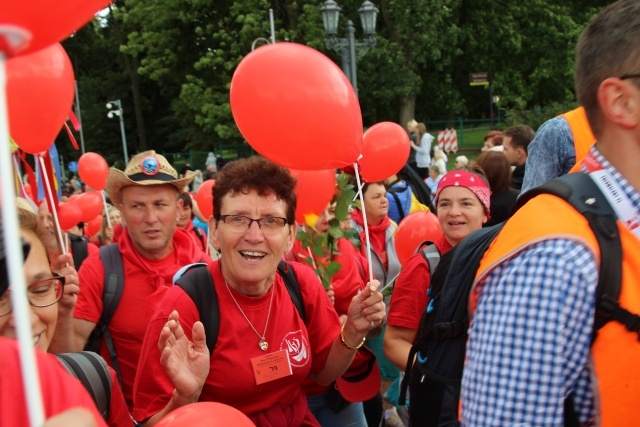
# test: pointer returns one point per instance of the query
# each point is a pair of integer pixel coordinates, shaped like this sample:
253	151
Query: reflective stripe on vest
616	351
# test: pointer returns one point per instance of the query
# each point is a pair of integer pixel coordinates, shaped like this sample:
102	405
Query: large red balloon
40	89
314	191
385	151
91	205
206	414
296	107
93	170
69	215
37	23
414	229
204	198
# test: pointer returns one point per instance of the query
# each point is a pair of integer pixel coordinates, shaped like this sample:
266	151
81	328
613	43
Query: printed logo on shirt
298	347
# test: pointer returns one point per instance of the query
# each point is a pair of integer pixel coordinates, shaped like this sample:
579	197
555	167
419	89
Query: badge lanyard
614	193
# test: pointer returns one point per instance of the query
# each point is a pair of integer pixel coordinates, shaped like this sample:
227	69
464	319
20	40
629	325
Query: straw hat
146	168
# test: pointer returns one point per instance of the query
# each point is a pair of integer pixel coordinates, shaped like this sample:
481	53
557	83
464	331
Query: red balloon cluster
86	207
40	90
296	107
93	227
204	198
414	229
206	414
69	215
314	191
93	170
385	151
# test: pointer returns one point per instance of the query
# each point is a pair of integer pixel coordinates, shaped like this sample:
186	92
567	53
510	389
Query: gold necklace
263	344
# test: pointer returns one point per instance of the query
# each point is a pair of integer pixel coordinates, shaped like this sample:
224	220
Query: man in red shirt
152	251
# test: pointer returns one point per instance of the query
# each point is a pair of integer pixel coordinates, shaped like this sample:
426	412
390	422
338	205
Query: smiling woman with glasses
253	225
41	293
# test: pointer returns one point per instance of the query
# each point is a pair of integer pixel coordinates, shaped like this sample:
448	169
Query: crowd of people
236	312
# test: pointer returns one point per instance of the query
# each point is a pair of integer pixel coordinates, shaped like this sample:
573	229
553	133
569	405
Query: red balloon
296	107
93	170
385	151
206	414
69	215
204	198
36	24
94	226
314	191
414	229
40	90
73	197
91	205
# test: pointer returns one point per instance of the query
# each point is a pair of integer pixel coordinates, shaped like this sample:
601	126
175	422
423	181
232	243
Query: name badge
271	366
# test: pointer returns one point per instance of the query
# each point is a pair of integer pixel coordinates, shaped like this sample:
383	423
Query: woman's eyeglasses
241	223
42	293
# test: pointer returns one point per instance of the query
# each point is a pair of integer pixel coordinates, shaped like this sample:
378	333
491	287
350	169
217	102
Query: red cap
362	381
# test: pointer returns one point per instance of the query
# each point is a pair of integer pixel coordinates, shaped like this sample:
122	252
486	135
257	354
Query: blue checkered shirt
529	342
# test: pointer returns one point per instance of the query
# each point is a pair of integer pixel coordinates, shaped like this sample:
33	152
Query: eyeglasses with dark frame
630	76
270	224
42	293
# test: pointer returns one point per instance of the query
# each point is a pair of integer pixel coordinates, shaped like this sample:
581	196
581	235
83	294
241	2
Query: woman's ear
213	233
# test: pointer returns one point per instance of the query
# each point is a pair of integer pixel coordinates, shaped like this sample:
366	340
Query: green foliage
171	63
324	246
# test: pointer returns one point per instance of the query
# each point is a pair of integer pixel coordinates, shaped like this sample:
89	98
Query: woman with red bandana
462	205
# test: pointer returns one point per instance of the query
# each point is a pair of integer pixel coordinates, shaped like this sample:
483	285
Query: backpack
93	373
197	282
439	349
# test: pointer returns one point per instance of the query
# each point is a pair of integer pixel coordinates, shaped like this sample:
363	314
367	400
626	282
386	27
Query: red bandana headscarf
471	181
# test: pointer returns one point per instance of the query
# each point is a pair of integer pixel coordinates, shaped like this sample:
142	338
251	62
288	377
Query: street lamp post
349	48
120	113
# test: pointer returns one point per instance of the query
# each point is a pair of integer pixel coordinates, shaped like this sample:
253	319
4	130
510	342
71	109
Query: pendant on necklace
263	344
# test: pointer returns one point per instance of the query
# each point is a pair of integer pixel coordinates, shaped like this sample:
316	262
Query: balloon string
106	210
364	219
14	259
52	208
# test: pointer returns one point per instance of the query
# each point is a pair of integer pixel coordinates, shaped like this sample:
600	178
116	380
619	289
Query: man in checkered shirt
529	343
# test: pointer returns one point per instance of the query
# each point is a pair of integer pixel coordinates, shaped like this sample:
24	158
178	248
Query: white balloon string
364	221
52	208
14	258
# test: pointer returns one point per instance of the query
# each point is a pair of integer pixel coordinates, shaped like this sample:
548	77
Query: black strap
111	295
198	284
79	249
93	373
206	299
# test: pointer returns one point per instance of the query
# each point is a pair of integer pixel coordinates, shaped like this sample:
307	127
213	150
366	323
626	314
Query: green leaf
333	267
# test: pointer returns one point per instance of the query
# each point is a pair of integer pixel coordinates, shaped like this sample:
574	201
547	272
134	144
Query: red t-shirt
60	391
231	379
146	282
409	297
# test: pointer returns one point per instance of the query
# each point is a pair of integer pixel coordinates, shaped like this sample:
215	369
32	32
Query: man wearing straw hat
152	251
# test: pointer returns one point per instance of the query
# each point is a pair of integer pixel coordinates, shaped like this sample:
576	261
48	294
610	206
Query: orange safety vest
583	137
616	351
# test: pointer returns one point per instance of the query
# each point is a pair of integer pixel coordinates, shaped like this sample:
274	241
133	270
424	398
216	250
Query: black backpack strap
93	373
291	282
111	295
197	282
79	249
